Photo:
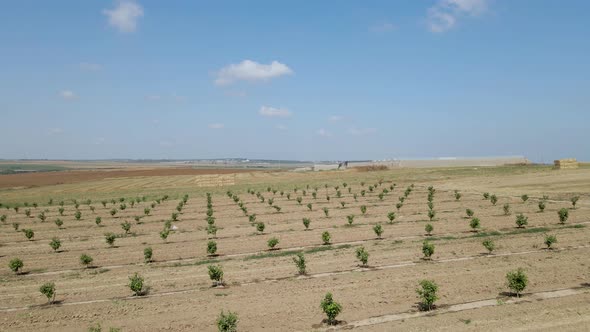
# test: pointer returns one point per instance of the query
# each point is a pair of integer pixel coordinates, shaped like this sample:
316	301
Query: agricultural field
488	248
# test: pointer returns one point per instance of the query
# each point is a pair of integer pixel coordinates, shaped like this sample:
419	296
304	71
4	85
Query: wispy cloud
216	126
274	112
88	66
362	131
281	127
323	133
124	16
67	95
444	14
382	27
335	118
248	70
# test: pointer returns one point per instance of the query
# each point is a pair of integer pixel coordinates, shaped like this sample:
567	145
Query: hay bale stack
565	163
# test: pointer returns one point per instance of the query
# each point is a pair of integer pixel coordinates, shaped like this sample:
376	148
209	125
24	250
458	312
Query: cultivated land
263	285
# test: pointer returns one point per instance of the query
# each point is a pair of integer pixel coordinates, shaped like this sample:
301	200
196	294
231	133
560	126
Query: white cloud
281	127
362	131
68	95
274	112
125	15
99	140
323	132
335	118
153	97
445	13
216	126
382	27
248	70
88	66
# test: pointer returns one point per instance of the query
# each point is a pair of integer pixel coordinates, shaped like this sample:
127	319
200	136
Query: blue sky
310	80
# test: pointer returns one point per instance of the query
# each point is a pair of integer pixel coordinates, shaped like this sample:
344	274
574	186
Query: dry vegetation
156	253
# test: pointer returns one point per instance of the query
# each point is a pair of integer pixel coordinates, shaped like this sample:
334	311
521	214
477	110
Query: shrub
493	199
212	229
474	224
326	237
299	200
110	239
489	245
306	222
399	205
174	216
126	226
331	308
299	261
428	228
61	211
541	206
363	209
342	204
147	255
48	289
137	219
78	215
506	209
55	244
29	234
136	284
98	220
378	229
355	196
350	219
431	214
549	240
326	212
427	249
27	212
517	281
113	212
563	214
521	220
260	227
427	293
146	211
486	195
252	217
3	218
211	248
363	192
574	200
15	265
59	222
86	260
272	242
381	195
469	213
227	322
391	217
430	205
524	198
15	226
216	274
457	195
309	206
104	203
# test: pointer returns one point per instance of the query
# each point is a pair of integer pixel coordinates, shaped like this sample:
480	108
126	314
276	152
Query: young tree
391	217
326	212
110	239
486	195
48	289
427	249
61	211
15	225
428	228
227	322
489	245
136	284
55	244
574	200
524	198
326	237
98	220
521	220
78	215
86	260
563	214
469	213
146	211
147	255
299	200
29	234
252	217
272	243
59	222
427	293
457	195
126	226
212	229
15	265
493	199
299	261
350	219
3	218
378	229
541	206
306	222
331	308
399	205
113	212
431	214
517	281
211	248
506	209
260	227
363	209
549	240
474	224
216	275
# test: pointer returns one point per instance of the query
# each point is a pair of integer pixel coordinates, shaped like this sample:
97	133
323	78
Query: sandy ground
263	287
